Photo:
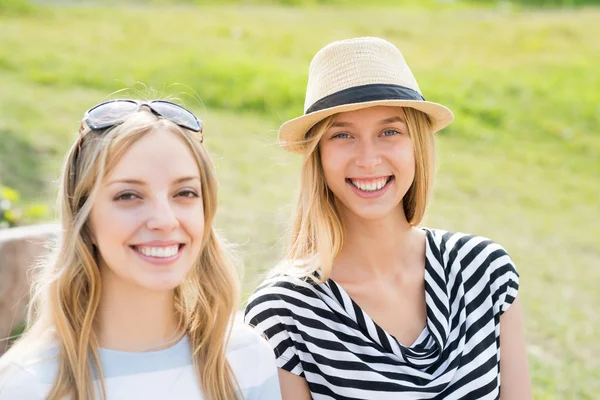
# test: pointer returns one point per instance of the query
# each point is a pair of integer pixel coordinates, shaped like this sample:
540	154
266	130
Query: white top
164	374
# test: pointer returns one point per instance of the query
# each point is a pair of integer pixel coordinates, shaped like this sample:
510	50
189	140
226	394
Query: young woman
367	305
139	300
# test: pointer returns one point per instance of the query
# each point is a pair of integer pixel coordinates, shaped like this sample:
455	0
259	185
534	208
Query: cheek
333	168
108	236
112	226
404	156
192	220
197	230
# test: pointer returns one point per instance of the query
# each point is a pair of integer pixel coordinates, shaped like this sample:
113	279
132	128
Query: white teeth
370	186
159	252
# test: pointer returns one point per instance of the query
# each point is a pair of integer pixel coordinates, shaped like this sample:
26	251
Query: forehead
370	114
157	154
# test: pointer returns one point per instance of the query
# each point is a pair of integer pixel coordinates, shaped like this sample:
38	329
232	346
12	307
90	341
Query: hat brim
291	133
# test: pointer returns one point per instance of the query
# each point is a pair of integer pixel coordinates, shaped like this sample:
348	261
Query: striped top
318	332
152	375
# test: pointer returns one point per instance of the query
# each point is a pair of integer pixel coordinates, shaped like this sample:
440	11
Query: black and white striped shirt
318	332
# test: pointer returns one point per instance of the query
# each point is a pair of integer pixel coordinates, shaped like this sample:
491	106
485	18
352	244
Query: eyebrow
342	124
142	183
392	120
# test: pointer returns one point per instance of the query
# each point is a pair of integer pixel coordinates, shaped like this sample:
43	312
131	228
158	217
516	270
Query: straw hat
352	74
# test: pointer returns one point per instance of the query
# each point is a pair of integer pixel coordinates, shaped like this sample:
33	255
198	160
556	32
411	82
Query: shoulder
447	241
280	294
281	285
16	382
28	376
246	341
465	250
480	261
251	358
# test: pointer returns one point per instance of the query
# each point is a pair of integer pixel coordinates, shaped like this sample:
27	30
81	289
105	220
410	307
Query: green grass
520	164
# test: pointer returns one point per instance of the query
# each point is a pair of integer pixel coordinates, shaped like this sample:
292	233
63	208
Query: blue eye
127	196
187	193
341	135
390	132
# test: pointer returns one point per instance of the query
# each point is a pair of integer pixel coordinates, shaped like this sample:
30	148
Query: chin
374	214
161	284
161	281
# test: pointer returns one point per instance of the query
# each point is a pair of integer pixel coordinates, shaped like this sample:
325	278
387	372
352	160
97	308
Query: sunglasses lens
178	115
110	113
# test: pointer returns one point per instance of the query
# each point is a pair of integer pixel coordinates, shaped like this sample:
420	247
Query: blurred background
520	164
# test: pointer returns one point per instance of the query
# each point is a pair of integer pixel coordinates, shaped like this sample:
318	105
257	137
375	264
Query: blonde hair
317	233
67	290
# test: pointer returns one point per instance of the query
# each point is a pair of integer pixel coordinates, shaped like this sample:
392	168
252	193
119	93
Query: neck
379	249
131	318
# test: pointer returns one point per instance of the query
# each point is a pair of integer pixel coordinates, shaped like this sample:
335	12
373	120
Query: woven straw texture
350	63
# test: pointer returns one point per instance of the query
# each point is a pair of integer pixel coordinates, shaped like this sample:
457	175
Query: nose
162	215
367	155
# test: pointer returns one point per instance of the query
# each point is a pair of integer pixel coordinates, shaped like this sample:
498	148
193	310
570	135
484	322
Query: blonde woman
139	300
366	304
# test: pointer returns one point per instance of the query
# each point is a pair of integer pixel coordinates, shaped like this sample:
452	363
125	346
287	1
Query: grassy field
520	164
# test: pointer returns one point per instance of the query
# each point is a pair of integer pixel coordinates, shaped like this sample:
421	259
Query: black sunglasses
114	112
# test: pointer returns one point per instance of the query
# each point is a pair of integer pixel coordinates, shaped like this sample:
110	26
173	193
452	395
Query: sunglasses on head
114	112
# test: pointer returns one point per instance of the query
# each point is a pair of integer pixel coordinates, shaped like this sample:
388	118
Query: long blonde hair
317	233
67	290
